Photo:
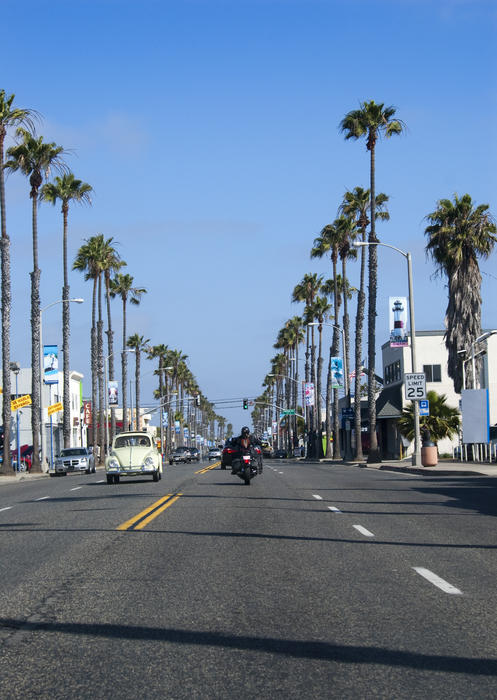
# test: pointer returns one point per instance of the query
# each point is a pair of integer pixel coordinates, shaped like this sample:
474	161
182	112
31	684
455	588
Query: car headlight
148	462
112	463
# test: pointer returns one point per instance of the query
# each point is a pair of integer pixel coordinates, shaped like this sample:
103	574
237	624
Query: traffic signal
245	404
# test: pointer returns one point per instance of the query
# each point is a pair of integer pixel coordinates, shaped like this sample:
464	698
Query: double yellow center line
138	522
206	469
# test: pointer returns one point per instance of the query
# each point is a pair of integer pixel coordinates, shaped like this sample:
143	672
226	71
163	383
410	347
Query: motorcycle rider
245	441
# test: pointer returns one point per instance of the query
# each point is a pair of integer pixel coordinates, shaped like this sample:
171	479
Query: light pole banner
165	419
309	393
176	427
398	321
337	376
113	393
50	364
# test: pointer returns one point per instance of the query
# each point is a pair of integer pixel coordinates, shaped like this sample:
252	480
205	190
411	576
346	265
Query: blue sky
209	132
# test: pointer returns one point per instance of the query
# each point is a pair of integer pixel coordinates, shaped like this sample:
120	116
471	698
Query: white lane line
7	508
334	509
43	498
437	581
318	498
363	531
280	472
76	488
101	481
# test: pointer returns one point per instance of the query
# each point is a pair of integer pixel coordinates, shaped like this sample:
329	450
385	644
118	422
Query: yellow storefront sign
55	408
20	402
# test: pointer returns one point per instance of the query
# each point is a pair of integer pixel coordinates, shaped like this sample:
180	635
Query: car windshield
181	449
74	452
132	441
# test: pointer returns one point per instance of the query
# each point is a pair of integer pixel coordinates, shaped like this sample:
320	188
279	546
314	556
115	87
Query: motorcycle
248	464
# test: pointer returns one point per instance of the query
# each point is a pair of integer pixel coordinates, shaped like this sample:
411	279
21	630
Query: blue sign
50	364
424	407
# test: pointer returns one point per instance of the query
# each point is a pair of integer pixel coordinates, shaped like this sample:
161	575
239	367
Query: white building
431	358
53	429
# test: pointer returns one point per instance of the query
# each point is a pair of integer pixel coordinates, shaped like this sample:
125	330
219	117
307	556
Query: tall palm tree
160	352
459	233
90	259
10	117
372	121
66	189
356	204
35	159
319	312
139	344
122	286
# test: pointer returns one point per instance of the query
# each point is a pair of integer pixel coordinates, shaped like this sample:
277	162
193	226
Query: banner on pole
337	376
309	393
113	393
398	322
50	364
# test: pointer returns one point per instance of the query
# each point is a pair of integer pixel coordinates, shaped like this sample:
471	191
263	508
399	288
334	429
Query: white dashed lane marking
334	509
43	498
363	531
76	488
318	498
437	581
6	508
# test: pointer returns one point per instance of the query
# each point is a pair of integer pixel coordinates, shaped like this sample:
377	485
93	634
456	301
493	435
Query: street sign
424	407
415	386
288	412
348	412
55	408
20	402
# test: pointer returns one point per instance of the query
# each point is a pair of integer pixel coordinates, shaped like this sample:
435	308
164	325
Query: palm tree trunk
374	454
361	303
110	352
94	371
35	343
318	393
137	389
335	352
100	360
66	428
5	467
124	364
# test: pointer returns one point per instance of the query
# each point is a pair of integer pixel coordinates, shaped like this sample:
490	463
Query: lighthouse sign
398	322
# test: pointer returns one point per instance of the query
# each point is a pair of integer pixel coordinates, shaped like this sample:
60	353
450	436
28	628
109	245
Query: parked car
279	454
227	455
26	458
214	453
133	453
73	459
195	454
180	454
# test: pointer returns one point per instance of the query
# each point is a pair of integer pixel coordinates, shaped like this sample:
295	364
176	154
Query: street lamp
42	426
416	456
106	395
16	368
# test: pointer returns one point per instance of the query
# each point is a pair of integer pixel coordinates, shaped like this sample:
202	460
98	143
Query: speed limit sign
415	386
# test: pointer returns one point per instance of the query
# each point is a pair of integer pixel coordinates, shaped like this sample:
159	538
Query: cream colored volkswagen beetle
133	454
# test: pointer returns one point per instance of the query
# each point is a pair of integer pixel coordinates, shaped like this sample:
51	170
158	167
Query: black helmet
245	431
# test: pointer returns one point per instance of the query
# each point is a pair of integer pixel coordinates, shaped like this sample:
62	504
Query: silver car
214	453
74	459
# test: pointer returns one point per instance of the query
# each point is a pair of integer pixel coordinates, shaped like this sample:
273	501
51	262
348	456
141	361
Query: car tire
223	466
52	474
110	478
116	478
88	471
155	476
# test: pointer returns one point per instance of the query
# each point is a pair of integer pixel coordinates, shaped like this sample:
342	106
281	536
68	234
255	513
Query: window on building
433	373
392	372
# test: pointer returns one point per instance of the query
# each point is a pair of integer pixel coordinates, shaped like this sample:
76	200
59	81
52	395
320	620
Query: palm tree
122	286
443	421
35	159
319	311
356	204
66	189
10	117
459	233
372	120
91	259
160	352
139	344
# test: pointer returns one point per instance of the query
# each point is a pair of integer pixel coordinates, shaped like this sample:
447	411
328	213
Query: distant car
227	455
133	453
267	450
279	454
214	453
195	454
73	459
180	454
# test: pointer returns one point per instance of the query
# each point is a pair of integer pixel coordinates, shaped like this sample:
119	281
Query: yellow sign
55	408
20	402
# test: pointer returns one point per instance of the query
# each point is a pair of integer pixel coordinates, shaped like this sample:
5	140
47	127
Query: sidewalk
443	468
21	476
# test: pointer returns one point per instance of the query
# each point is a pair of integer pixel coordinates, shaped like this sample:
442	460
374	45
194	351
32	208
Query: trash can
429	451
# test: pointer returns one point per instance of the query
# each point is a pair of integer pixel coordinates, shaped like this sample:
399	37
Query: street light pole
16	368
42	424
106	396
416	456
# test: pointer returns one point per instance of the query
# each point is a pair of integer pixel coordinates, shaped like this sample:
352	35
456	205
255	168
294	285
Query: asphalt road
316	581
